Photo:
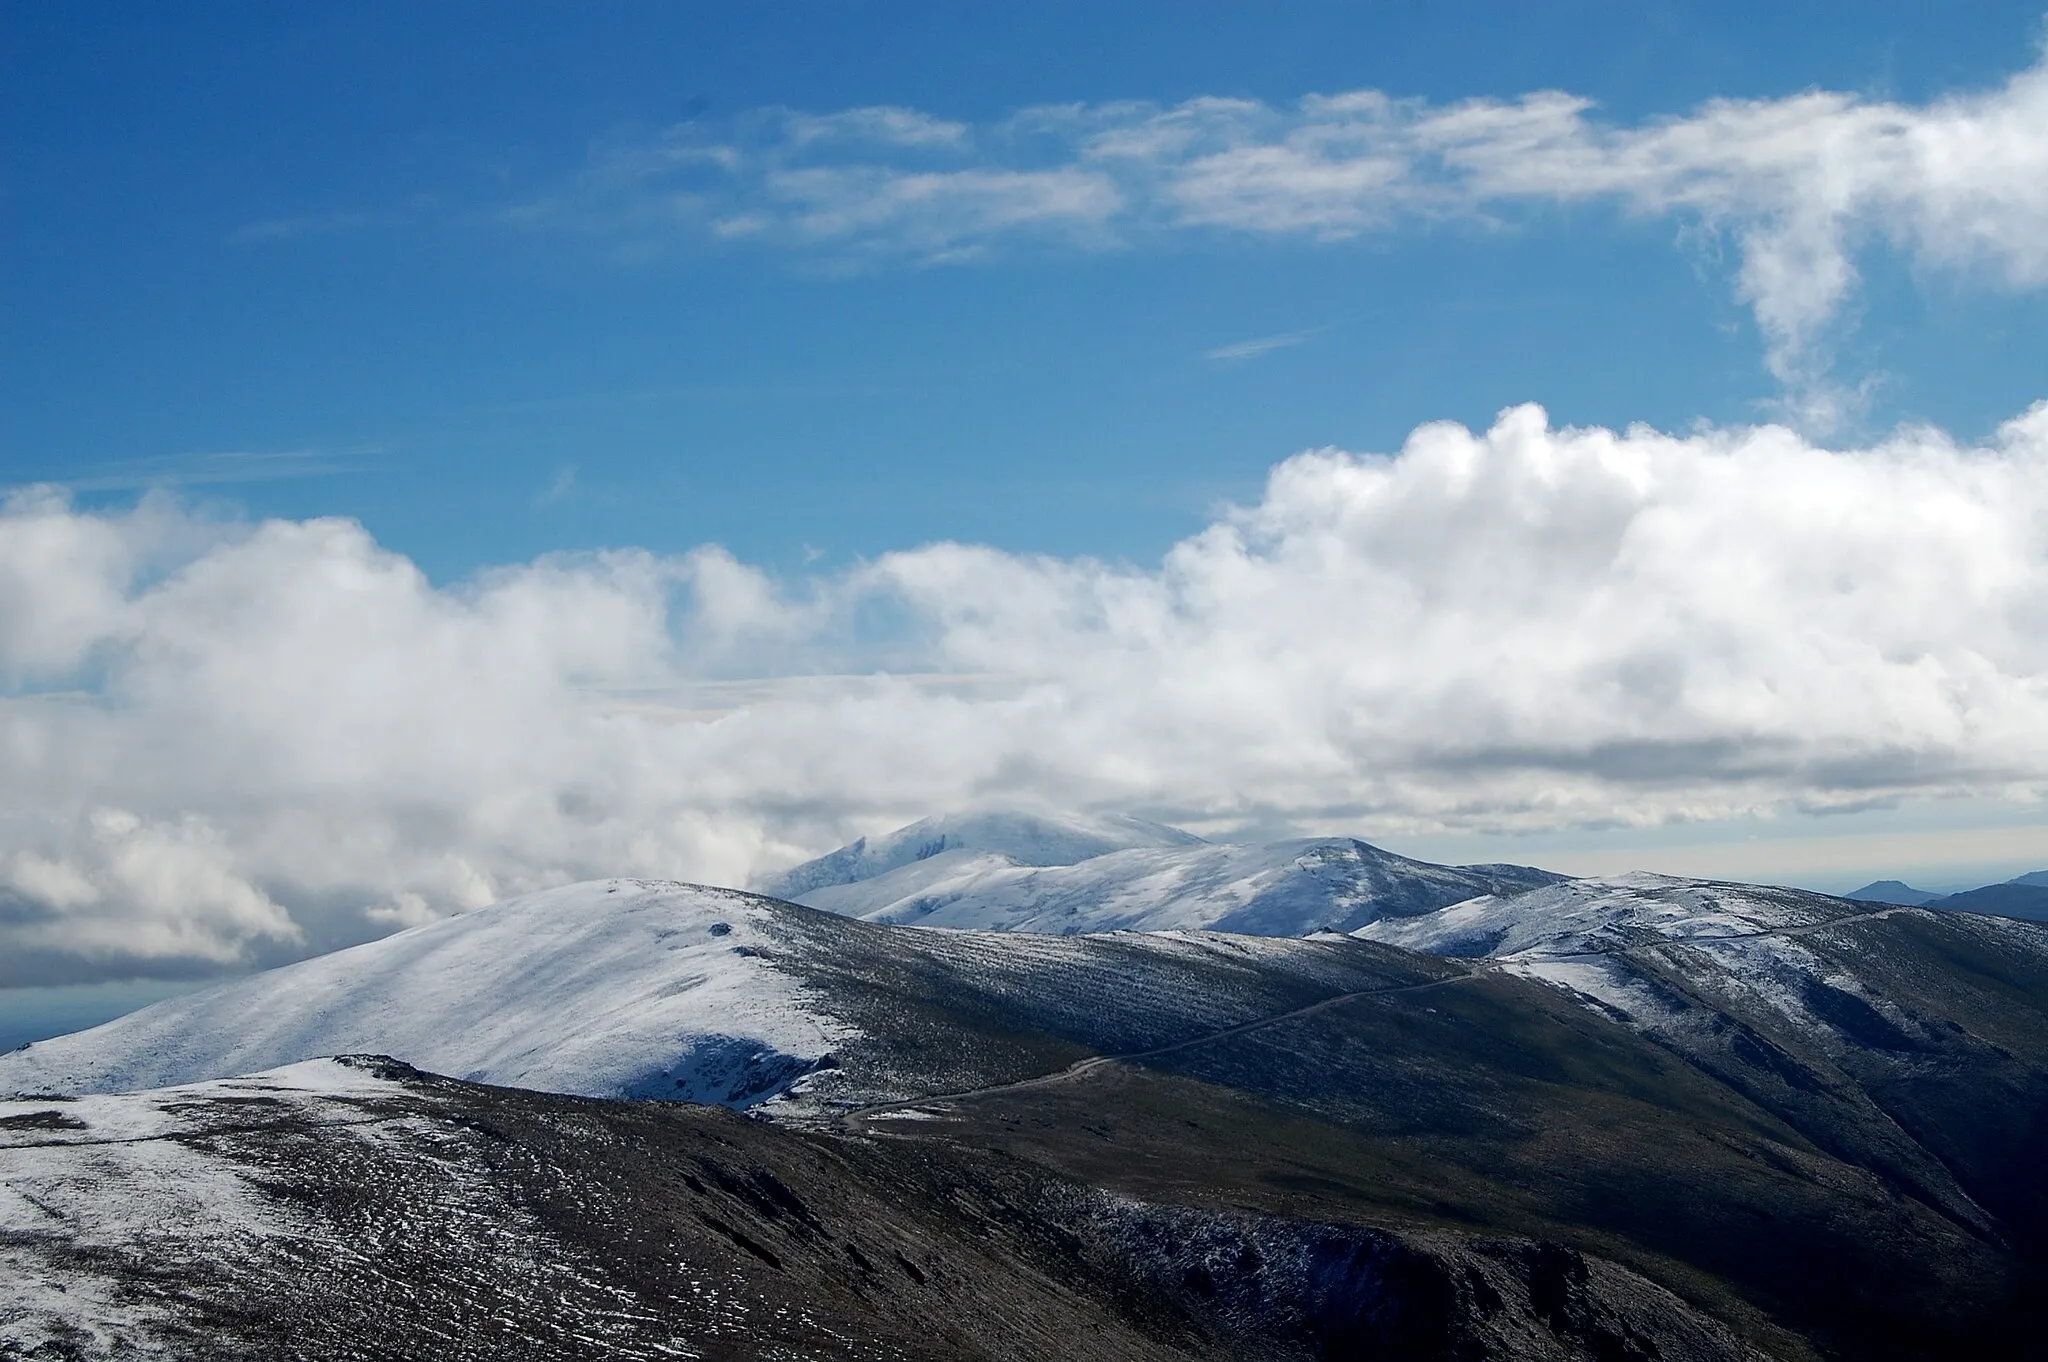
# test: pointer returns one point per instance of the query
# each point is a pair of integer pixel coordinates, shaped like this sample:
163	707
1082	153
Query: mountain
356	1208
2015	898
1281	889
638	988
1600	917
1638	1118
1892	891
2025	896
1906	1040
595	988
1009	838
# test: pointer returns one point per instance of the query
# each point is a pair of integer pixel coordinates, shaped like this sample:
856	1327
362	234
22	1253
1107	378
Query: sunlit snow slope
631	988
1281	889
953	840
610	988
1580	917
1626	942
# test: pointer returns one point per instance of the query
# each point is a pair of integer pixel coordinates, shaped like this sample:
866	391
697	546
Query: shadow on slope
437	1218
1500	1105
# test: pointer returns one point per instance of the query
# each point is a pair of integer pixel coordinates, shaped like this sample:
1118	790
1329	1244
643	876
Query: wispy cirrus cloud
1797	185
879	125
269	230
220	467
560	488
864	185
1238	351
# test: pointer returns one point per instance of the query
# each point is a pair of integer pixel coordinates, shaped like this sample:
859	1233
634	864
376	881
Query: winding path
854	1120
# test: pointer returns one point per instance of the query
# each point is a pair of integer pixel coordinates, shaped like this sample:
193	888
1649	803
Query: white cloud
880	124
937	215
244	742
1259	345
560	487
1798	184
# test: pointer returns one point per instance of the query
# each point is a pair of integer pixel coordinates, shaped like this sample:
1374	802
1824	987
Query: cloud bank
225	742
1796	185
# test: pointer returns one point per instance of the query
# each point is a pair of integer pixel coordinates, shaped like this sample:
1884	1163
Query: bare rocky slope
361	1210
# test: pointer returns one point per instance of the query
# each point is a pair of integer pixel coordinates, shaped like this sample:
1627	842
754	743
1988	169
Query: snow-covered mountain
1174	881
1648	948
1703	964
612	987
1823	1111
1007	838
1818	1009
634	988
1576	918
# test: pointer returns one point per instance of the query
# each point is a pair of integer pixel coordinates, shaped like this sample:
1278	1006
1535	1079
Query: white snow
646	989
1608	984
124	1217
1581	917
1279	889
121	1176
1743	942
1005	838
610	988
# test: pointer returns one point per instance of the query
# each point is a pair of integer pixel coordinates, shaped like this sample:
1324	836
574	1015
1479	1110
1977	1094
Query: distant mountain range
1634	1117
2023	897
1015	871
1021	872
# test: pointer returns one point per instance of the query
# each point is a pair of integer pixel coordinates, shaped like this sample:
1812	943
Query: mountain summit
1015	872
1892	891
1006	837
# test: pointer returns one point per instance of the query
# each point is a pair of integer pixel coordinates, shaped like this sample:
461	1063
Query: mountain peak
1892	891
1015	836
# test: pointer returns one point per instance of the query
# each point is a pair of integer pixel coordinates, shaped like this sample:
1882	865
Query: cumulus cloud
1796	184
236	743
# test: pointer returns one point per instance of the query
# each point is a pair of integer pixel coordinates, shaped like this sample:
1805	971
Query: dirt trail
854	1120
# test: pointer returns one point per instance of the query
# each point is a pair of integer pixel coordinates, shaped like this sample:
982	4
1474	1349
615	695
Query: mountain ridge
1815	1121
924	876
1017	837
2023	896
637	988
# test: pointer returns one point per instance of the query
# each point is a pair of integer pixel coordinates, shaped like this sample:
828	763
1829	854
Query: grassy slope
1502	1106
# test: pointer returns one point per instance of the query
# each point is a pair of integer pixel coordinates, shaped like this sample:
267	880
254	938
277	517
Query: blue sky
452	449
281	231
